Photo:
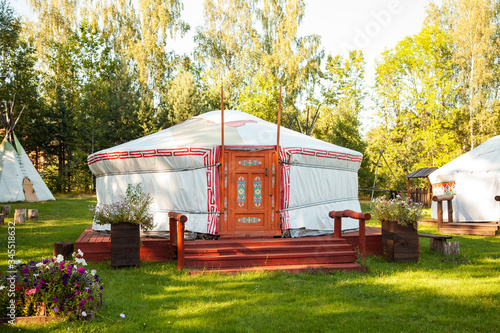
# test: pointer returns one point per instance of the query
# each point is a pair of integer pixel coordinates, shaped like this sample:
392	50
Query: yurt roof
483	158
240	129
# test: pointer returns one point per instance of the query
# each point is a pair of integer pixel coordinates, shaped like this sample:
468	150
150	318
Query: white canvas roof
174	165
477	181
15	166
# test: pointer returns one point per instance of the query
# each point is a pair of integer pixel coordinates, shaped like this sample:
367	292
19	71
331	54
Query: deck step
350	267
264	241
255	249
257	254
270	259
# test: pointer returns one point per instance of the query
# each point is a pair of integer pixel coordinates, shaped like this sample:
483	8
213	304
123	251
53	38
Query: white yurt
238	188
474	179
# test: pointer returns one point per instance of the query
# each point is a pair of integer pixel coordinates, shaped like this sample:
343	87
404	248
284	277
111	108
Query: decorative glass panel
249	162
241	191
249	220
257	191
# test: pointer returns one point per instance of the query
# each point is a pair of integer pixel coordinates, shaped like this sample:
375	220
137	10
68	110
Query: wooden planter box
399	243
125	245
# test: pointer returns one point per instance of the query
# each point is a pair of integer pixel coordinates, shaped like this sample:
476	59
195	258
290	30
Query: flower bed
51	287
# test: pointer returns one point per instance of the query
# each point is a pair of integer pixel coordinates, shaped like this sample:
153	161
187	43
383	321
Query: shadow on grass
460	293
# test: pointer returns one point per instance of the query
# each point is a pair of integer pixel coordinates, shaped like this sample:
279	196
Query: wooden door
249	194
29	192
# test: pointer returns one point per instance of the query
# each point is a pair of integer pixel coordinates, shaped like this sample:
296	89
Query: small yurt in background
474	179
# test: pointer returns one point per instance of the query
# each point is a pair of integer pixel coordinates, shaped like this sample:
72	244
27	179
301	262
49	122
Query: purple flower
61	266
70	268
25	270
55	299
55	309
81	270
65	279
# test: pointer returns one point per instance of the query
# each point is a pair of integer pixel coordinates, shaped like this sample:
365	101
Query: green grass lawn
437	294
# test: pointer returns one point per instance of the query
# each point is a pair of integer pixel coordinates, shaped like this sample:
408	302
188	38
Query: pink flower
31	291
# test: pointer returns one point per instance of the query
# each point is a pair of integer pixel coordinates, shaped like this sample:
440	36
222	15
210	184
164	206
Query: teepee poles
8	124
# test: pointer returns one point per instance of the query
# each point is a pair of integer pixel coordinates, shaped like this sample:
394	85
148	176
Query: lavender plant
402	211
133	208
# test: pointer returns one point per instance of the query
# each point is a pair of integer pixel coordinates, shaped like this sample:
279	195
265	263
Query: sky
369	25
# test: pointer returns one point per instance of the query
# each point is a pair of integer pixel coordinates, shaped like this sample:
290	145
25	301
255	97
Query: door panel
249	194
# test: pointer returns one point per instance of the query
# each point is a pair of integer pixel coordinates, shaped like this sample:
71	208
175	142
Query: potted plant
126	217
399	219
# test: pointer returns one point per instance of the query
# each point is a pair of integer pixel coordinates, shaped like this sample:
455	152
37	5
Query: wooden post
66	249
440	213
33	214
5	210
173	237
180	245
20	215
362	217
362	236
277	163
181	220
1	219
337	227
450	211
222	169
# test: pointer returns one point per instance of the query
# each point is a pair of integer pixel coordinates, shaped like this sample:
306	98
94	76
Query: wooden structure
464	228
177	222
439	243
325	253
65	249
399	243
439	200
5	210
125	244
20	215
362	217
418	193
33	214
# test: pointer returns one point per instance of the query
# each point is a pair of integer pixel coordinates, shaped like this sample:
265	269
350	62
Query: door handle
267	172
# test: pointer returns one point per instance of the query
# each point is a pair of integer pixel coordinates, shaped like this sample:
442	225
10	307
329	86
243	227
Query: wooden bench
440	243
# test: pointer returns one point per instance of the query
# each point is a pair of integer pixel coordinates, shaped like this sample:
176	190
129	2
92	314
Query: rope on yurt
319	203
157	171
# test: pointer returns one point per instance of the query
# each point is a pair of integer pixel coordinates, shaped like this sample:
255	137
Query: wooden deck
323	253
464	228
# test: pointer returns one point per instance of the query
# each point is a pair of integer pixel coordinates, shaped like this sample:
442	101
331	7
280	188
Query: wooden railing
362	217
439	200
177	221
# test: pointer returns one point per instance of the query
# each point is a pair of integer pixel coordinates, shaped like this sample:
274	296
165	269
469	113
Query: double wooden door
248	188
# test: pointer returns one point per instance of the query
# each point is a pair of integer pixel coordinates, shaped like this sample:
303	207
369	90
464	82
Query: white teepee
19	180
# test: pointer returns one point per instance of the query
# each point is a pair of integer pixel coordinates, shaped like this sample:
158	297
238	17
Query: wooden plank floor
97	246
466	228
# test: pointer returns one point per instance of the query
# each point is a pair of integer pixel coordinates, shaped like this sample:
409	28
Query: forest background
99	73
